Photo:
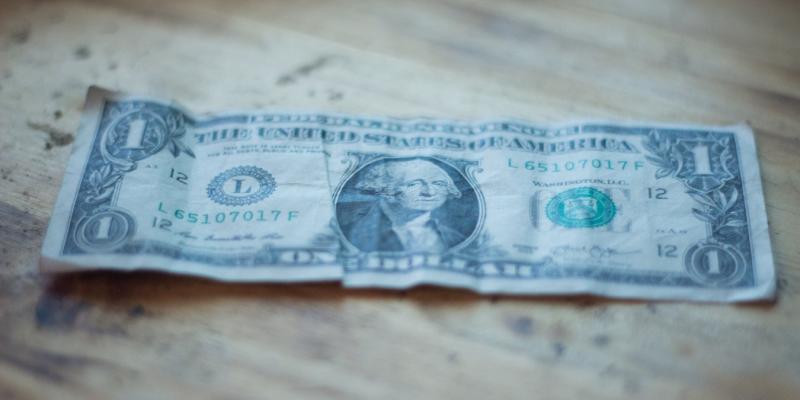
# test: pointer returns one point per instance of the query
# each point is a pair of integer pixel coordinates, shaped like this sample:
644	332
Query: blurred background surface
106	335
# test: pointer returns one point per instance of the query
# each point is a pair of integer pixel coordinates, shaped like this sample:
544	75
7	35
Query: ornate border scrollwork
713	183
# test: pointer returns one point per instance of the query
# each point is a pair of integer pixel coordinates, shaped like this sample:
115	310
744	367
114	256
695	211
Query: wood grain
147	335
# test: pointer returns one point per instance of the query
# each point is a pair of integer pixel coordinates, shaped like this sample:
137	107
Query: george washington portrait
418	204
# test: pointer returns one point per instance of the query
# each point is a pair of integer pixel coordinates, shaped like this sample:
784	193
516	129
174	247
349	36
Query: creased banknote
497	206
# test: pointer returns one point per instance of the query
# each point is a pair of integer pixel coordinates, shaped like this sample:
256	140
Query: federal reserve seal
582	207
241	186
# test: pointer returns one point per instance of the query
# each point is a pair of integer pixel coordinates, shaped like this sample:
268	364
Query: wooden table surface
132	336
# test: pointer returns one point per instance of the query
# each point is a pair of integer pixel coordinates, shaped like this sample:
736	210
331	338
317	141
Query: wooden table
142	335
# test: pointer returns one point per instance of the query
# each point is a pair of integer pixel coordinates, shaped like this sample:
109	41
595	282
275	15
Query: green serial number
234	216
576	165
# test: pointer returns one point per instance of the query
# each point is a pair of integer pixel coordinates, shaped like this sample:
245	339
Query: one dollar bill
634	210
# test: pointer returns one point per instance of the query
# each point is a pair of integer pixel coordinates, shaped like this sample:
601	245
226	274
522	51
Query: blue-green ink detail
582	207
241	186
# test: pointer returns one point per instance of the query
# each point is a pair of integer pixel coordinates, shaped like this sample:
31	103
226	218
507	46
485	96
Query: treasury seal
241	186
582	207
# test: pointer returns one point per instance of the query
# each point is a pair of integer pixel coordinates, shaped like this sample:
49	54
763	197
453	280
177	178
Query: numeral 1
103	228
713	262
135	134
702	159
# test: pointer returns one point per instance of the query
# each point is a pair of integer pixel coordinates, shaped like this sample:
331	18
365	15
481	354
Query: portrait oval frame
360	162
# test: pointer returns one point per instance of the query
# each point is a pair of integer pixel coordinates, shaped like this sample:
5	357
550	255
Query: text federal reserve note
500	206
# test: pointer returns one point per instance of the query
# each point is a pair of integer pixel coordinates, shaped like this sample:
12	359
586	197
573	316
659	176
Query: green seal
582	207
